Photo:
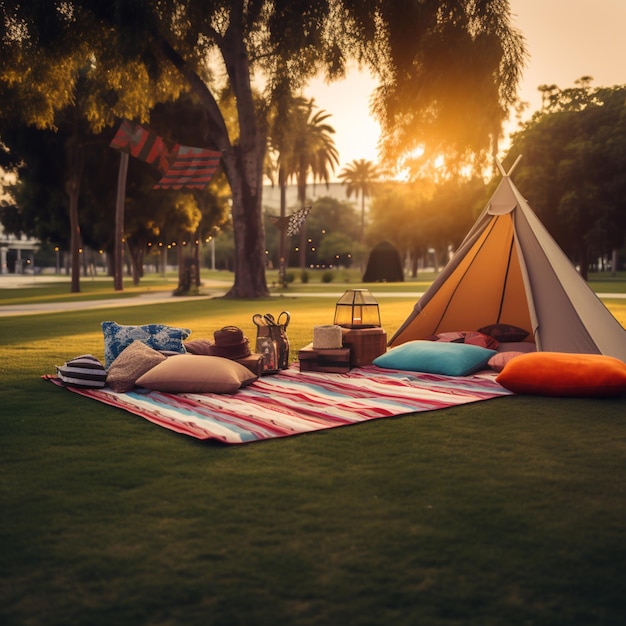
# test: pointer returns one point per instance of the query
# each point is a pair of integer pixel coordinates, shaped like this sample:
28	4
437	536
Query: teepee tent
384	264
509	270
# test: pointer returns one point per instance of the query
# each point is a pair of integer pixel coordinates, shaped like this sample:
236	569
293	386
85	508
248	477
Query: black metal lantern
357	308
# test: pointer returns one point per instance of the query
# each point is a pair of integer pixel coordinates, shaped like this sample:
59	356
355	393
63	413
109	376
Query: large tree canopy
572	170
61	69
448	70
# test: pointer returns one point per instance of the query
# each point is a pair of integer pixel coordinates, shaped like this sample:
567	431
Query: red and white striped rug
293	402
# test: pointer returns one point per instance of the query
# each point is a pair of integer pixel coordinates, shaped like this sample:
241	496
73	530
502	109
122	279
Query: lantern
357	308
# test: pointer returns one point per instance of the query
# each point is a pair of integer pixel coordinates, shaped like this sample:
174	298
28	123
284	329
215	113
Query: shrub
328	276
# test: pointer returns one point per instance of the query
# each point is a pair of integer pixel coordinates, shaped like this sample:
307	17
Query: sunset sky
566	39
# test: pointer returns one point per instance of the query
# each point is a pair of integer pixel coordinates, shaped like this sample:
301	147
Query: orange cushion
564	374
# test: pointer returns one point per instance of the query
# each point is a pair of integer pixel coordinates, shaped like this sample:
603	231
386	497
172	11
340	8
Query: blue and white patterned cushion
157	336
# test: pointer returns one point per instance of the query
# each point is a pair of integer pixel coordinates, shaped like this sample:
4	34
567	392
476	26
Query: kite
296	220
189	167
292	223
141	143
184	166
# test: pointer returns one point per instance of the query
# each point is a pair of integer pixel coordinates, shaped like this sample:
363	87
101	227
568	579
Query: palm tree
282	132
314	153
305	148
360	176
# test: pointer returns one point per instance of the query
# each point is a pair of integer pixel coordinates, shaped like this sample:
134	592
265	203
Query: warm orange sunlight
566	39
403	172
357	132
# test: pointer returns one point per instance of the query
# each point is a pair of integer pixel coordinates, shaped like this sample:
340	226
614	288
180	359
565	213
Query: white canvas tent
509	270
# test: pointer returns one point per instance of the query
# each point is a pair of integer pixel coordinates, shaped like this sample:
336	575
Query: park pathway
159	297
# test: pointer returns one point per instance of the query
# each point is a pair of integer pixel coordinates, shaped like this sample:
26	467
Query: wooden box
365	344
334	361
254	362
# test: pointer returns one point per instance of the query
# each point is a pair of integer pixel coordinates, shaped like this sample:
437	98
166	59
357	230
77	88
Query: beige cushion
199	346
133	361
498	361
194	373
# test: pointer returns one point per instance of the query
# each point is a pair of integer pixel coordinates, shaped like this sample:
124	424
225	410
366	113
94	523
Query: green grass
37	288
506	512
603	282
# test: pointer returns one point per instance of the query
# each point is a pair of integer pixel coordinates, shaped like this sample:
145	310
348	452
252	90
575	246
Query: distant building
16	252
337	191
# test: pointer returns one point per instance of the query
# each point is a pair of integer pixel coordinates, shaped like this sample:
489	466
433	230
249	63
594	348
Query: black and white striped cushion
83	371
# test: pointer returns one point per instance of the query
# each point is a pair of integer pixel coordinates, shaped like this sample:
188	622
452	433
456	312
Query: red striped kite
142	144
189	167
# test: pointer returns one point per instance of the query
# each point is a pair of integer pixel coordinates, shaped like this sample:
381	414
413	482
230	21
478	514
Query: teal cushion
433	357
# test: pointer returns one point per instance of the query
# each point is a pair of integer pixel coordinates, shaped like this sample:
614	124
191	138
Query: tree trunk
283	257
196	255
74	237
243	163
136	252
249	235
75	160
163	260
414	262
244	170
362	233
302	203
303	247
84	257
180	260
614	262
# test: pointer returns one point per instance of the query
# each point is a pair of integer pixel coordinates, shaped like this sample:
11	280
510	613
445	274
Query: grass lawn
502	513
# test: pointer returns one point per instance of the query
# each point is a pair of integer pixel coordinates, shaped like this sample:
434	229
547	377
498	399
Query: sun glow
406	165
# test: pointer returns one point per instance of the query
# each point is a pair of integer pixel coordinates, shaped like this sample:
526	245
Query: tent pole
501	167
118	252
514	165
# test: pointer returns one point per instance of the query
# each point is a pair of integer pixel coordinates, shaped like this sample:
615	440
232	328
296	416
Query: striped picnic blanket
293	402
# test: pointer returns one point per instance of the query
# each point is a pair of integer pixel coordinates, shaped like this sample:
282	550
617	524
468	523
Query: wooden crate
365	344
254	362
334	361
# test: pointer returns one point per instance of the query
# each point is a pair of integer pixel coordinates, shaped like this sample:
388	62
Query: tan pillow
504	332
133	361
199	346
195	373
498	361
